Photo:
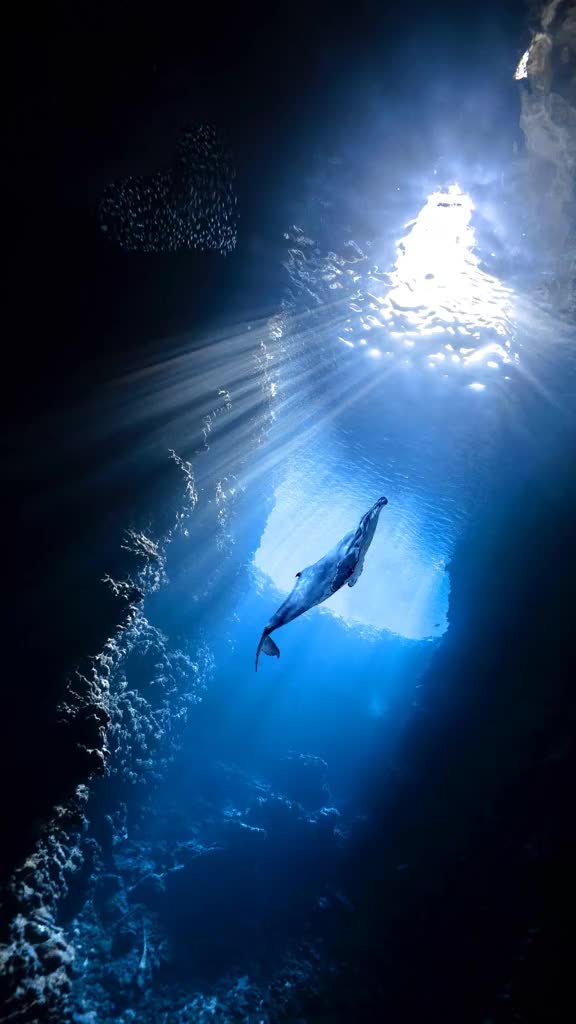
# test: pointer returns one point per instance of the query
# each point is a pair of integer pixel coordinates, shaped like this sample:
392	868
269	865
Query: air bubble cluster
190	205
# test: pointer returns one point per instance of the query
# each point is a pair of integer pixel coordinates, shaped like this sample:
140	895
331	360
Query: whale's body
343	564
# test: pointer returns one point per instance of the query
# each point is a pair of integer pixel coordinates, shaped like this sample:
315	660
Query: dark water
376	824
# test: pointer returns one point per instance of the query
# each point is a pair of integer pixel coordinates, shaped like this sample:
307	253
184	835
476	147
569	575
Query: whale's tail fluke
268	646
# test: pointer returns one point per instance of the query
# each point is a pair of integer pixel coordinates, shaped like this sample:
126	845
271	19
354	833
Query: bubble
189	205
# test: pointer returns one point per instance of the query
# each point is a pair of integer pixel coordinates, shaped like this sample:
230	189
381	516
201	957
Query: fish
315	584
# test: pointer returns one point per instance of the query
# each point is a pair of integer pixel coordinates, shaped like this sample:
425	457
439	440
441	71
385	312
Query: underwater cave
282	267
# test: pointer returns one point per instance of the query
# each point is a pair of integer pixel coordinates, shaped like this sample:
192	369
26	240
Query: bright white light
438	288
430	255
437	277
435	290
476	386
522	69
374	352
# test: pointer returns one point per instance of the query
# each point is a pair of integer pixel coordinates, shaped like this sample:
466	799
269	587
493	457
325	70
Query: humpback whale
315	584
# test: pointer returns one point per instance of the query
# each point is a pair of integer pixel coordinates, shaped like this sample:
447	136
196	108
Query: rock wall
547	77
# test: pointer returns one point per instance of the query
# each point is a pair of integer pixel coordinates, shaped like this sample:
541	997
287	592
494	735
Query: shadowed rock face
548	118
108	907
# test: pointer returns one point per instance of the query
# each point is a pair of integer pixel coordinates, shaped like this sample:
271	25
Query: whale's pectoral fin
357	573
268	646
344	572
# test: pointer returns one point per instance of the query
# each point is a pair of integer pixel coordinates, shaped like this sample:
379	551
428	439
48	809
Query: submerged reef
178	909
188	912
37	958
120	717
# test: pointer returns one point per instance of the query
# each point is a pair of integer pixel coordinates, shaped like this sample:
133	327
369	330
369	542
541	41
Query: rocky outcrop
37	958
211	906
547	77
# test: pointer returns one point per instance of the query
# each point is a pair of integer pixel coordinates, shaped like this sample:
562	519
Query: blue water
378	825
237	804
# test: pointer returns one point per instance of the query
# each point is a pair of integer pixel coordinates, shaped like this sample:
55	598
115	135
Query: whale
315	584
